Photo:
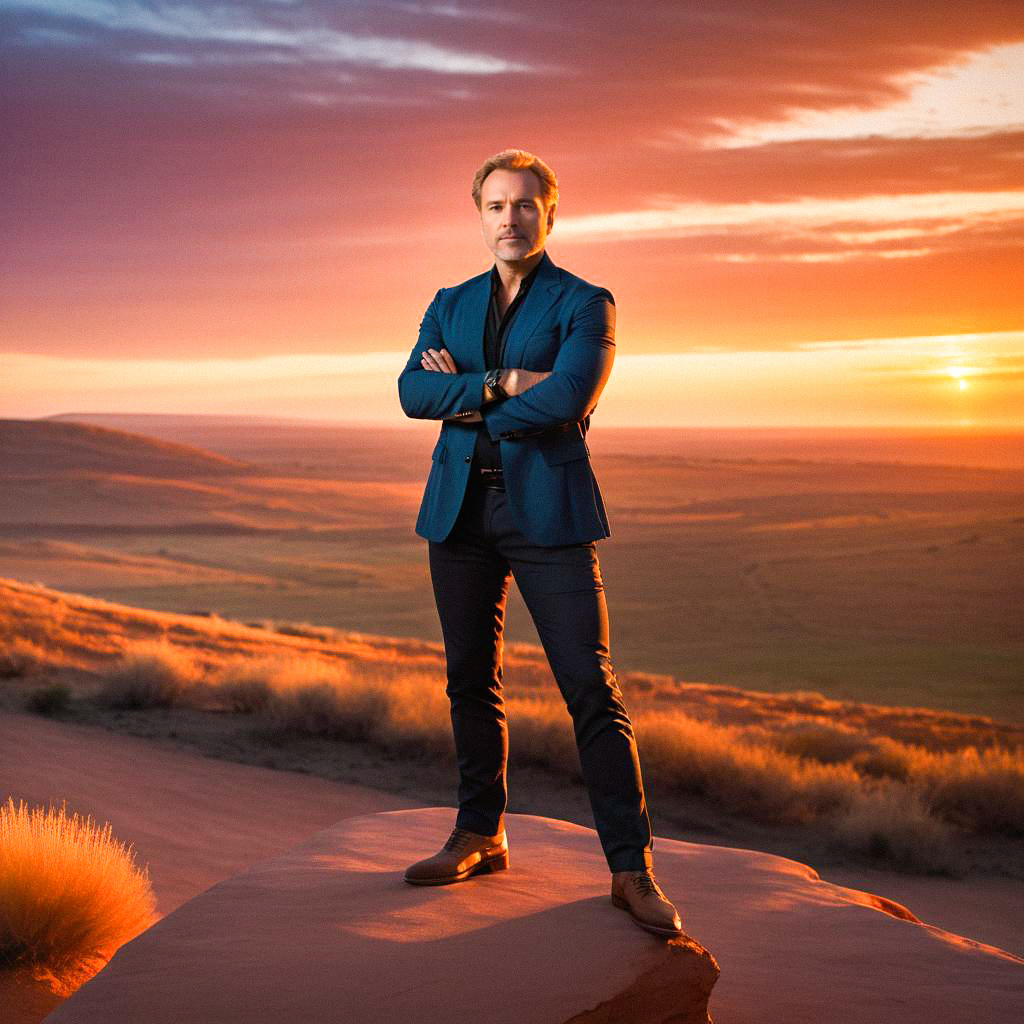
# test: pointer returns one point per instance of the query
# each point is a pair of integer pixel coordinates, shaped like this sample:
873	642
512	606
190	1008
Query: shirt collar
524	284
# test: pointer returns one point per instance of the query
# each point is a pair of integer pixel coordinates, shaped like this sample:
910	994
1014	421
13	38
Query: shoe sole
482	867
618	901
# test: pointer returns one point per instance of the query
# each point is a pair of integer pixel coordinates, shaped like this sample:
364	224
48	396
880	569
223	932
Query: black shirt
487	453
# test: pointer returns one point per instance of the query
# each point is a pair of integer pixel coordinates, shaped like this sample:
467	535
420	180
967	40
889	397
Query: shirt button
469	458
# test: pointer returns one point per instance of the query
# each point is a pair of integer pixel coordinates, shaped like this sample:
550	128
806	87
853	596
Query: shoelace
457	839
645	883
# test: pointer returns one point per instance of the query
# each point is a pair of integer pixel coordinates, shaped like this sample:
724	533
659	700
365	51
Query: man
513	362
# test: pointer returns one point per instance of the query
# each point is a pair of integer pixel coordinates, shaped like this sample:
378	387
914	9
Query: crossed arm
432	387
512	381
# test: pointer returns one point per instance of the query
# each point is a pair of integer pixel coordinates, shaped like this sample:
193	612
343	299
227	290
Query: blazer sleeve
430	394
578	377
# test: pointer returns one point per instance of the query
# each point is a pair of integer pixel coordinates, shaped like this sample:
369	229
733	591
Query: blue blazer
565	325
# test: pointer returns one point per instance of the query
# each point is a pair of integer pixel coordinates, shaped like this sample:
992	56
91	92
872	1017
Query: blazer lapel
470	320
543	294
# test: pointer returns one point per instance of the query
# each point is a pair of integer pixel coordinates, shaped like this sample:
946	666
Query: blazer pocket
567	450
440	450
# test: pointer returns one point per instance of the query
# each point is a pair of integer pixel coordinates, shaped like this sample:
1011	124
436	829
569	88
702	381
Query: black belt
488	477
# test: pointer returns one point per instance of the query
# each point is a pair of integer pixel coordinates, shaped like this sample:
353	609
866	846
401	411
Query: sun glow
922	379
960	374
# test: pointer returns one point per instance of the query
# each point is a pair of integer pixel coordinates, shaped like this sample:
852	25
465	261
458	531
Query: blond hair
519	160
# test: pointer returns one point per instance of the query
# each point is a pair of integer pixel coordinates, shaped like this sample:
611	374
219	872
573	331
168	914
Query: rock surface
330	932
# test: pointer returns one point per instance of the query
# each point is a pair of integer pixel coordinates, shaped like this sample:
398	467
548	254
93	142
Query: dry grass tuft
825	742
246	685
415	716
892	825
20	657
981	791
306	696
150	674
71	894
749	780
52	700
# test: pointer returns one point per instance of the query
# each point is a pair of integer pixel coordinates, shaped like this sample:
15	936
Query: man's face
512	216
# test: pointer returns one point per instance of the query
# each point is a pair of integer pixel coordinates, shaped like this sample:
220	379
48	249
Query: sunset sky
808	213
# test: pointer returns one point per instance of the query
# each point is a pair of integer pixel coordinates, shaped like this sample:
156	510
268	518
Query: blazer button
469	458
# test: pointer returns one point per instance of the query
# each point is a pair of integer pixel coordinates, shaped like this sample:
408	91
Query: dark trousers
564	592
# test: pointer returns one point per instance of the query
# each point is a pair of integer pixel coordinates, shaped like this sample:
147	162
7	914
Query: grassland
913	789
770	561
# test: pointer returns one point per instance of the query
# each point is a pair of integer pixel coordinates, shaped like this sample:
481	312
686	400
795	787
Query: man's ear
551	217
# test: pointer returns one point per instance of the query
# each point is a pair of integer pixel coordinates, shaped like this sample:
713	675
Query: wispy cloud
989	353
463	12
820	257
236	177
840	227
288	30
979	93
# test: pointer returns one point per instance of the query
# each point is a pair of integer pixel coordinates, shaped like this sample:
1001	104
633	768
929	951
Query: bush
245	685
305	631
70	893
19	657
416	717
892	826
324	707
151	674
982	791
824	742
541	735
752	781
49	700
310	697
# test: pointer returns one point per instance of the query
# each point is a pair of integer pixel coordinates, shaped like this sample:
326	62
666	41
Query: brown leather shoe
639	893
464	854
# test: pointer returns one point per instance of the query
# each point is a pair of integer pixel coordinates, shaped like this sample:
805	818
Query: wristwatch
493	384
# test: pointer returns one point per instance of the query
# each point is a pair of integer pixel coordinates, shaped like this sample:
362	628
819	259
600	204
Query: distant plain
864	565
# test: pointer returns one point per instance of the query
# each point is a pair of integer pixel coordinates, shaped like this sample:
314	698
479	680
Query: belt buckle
491	477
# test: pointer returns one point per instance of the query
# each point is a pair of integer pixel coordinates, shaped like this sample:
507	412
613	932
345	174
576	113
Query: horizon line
411	424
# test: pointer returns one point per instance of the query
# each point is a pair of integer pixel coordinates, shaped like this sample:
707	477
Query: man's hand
516	381
440	361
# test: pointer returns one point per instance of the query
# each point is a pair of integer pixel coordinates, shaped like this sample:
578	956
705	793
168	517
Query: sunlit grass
150	674
70	893
906	786
872	795
308	696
